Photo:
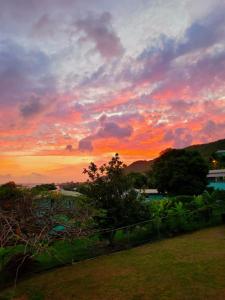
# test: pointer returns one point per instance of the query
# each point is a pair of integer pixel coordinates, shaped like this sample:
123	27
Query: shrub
218	195
19	264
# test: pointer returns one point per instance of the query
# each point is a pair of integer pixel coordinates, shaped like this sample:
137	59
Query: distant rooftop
147	191
220	152
216	173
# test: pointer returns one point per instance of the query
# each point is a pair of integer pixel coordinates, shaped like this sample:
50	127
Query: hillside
206	151
140	166
188	267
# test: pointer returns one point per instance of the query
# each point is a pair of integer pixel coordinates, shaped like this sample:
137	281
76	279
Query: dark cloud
177	64
23	72
168	136
182	137
85	144
208	71
110	129
211	128
156	60
69	148
107	130
205	32
33	107
157	63
99	30
205	74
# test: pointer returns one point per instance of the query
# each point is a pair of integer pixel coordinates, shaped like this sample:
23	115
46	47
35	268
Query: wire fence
164	224
125	237
185	214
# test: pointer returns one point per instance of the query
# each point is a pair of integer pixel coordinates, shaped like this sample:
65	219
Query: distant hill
140	166
206	150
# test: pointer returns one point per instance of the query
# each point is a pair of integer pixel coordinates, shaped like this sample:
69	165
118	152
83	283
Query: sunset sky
83	79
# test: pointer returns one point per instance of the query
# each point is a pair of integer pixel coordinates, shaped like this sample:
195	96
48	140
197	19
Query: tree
8	195
44	187
180	172
139	180
178	217
217	161
32	223
111	191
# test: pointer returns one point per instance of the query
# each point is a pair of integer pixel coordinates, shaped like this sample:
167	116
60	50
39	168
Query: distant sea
30	185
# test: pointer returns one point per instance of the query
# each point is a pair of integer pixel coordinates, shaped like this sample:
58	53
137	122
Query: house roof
147	191
216	173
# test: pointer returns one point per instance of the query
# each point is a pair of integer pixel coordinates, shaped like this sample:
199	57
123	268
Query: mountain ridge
206	150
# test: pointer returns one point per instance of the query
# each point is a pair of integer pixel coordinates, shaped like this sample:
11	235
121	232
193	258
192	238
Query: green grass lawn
191	266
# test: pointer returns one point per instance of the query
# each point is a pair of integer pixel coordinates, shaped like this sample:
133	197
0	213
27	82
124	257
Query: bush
19	264
218	195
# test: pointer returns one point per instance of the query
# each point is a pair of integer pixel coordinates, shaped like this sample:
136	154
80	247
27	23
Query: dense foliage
35	221
180	172
9	193
138	180
111	191
52	229
44	187
217	160
186	213
69	186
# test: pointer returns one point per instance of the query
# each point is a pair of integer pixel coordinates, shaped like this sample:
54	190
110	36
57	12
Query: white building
217	175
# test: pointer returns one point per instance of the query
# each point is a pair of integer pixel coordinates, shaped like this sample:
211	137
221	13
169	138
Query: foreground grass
191	266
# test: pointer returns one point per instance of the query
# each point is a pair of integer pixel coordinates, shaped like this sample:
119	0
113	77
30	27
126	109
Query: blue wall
217	185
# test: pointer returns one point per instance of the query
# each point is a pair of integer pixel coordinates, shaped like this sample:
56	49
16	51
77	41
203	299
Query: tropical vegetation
180	172
42	229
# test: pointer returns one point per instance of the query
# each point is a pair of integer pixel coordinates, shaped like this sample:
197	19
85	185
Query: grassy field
191	266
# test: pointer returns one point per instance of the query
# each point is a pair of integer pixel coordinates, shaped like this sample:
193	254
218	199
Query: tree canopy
44	187
8	195
180	172
111	190
139	180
